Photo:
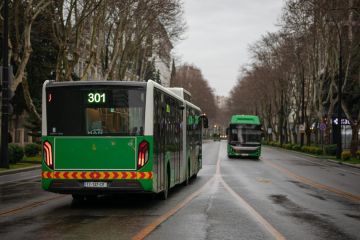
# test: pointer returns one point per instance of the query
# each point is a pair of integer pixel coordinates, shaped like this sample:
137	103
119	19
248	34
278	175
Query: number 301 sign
96	98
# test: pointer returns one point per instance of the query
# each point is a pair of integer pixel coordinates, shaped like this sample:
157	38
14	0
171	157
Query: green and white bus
244	136
116	136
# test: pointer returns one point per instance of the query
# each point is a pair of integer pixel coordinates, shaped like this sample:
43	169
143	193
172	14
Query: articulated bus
244	136
115	136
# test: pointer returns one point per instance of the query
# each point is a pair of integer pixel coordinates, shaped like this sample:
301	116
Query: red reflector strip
96	175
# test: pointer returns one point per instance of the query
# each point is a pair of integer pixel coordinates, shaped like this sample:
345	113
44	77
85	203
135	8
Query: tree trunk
354	139
28	100
24	59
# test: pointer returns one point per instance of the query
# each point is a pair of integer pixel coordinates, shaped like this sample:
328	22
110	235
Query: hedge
345	155
32	149
16	153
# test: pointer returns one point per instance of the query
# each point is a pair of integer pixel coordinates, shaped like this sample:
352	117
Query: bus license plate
95	184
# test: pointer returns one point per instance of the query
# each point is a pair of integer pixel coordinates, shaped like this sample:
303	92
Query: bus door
159	137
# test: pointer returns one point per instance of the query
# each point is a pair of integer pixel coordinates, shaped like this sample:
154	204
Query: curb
344	163
317	157
13	171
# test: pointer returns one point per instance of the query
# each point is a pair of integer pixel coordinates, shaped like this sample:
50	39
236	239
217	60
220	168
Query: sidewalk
341	162
318	157
25	169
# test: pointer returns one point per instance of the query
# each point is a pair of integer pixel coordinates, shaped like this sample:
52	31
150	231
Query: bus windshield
95	110
245	134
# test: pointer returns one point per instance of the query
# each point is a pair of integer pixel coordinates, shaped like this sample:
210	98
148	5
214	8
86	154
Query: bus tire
78	197
91	197
164	194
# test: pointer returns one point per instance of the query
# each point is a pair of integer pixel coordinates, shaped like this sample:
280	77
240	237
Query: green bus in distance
244	136
116	136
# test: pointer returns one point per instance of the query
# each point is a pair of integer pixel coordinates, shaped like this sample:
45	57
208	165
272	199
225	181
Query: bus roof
175	92
183	93
245	119
84	83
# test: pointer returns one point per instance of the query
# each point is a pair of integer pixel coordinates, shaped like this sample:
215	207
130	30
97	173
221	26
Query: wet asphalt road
282	195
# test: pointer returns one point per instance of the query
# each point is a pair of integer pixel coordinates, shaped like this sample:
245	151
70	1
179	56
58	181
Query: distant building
19	134
221	101
162	57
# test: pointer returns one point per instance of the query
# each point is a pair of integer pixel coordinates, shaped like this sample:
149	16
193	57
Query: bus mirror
205	121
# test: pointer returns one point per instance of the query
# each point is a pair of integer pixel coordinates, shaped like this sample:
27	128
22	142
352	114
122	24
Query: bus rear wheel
83	197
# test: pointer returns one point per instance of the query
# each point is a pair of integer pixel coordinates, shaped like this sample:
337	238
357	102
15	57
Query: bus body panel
95	153
109	164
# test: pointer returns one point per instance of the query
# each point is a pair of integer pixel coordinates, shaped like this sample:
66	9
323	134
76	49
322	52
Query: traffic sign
302	128
322	126
344	121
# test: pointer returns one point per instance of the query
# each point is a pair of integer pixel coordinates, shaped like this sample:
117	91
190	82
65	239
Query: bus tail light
143	154
48	154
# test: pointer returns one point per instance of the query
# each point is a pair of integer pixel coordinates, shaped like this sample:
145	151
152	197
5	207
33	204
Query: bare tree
191	78
301	66
24	14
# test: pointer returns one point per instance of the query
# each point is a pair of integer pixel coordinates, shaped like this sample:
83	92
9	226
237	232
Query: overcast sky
219	34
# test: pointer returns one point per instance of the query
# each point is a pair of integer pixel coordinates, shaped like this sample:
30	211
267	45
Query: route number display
96	98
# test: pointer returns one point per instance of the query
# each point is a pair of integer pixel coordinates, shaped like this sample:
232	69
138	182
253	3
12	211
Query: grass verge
36	159
19	165
24	163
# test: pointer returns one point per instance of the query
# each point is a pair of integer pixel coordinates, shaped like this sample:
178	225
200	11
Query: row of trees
190	78
70	40
294	74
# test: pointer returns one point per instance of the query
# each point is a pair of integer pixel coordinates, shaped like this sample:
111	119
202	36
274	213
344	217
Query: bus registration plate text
95	184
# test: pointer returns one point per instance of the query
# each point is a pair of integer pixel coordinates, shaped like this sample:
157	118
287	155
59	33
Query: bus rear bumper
78	187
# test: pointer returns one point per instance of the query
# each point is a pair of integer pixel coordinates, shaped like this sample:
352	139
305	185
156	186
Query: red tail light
48	154
143	154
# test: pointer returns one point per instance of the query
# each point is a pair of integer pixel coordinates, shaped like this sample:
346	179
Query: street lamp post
339	87
302	133
4	162
339	110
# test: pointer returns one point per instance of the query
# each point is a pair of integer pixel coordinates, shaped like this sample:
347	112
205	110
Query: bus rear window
104	111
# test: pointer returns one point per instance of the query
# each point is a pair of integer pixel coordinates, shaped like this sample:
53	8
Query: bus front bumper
244	151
